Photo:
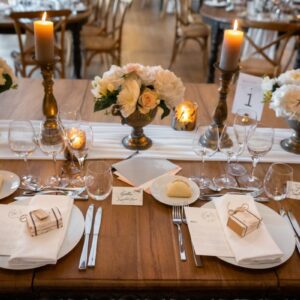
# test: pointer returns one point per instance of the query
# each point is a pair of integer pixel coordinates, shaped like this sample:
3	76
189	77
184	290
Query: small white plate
158	191
280	231
11	182
215	4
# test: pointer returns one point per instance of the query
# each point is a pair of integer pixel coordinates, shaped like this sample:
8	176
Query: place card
293	188
249	94
127	196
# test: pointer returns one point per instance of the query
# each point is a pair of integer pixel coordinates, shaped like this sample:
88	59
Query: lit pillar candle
44	40
231	48
185	116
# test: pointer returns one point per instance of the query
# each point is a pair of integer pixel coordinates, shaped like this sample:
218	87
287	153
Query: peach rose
148	101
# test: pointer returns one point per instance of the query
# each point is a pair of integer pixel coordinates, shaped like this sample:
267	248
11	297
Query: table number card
293	188
127	196
249	94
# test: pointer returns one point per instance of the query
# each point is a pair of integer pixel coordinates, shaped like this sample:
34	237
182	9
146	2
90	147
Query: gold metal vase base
220	114
292	144
137	140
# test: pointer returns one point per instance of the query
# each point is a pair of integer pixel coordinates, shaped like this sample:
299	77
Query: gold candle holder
185	116
220	114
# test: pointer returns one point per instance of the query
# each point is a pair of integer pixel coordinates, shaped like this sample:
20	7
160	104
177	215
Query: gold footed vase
292	144
136	140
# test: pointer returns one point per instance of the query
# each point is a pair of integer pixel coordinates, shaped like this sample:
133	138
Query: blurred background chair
189	26
108	42
23	22
269	48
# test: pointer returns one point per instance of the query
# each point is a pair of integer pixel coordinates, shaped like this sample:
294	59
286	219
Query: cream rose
128	97
148	101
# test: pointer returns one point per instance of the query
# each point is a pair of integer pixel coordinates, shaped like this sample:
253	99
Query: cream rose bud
148	101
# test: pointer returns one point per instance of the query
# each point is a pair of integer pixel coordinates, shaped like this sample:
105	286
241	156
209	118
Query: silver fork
197	258
176	218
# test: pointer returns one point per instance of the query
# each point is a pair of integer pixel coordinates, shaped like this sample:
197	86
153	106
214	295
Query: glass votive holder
98	180
185	116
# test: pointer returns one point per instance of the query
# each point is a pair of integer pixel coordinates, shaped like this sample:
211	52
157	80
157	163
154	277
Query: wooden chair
23	22
261	61
189	26
108	41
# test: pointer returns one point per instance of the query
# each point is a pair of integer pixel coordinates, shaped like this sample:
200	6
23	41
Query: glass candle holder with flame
185	116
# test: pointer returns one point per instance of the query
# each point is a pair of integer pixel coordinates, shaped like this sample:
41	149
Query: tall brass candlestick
220	114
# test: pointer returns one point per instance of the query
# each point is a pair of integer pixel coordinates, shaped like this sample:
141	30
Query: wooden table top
138	248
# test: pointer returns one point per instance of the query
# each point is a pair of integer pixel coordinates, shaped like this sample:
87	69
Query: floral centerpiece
283	95
7	78
135	92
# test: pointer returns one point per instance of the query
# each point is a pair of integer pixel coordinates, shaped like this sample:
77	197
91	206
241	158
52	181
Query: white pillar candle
231	48
44	40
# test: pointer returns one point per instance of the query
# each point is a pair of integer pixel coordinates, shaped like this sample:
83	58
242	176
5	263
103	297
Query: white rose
6	69
148	101
290	77
169	87
148	74
286	101
114	72
132	68
267	84
128	97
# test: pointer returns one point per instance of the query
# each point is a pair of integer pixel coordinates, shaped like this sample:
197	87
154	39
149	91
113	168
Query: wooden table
138	250
75	23
219	20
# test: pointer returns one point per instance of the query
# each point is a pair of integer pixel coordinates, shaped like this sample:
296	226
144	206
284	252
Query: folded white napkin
256	247
45	247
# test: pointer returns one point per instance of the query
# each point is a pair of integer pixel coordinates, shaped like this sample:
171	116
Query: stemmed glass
21	141
231	148
204	152
259	142
244	121
79	139
51	142
275	181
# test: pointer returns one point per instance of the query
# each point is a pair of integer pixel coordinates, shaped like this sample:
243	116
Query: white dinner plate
73	236
280	231
11	182
159	186
215	3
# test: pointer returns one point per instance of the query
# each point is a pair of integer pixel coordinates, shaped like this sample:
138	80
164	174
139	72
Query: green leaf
8	83
106	101
165	109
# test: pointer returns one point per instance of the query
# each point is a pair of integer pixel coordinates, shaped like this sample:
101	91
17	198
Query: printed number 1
249	99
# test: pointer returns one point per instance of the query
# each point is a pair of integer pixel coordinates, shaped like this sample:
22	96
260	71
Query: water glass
98	180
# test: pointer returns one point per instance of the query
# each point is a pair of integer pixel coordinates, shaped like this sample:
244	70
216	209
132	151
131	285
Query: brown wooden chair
189	26
108	41
23	22
261	61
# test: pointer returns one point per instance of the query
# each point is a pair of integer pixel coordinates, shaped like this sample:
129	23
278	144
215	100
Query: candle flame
44	17
235	24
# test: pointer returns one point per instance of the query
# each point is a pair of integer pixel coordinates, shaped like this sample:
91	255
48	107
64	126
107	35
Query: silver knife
294	223
87	231
96	230
287	219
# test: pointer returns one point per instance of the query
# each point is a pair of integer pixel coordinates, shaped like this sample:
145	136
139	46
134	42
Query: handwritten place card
293	188
249	94
127	196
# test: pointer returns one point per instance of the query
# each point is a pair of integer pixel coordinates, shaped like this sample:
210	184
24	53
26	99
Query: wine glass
275	181
245	120
204	151
259	142
51	142
79	138
21	141
230	146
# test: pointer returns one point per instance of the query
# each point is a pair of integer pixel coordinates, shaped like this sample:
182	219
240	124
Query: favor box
243	222
40	221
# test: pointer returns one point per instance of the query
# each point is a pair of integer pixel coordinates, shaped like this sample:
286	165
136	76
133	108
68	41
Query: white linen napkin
45	247
256	247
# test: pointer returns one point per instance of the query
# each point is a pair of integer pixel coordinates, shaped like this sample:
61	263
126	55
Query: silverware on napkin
87	230
96	230
288	220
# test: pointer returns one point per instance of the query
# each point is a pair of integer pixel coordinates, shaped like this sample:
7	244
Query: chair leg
174	53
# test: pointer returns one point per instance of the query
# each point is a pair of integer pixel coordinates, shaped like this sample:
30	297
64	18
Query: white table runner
167	143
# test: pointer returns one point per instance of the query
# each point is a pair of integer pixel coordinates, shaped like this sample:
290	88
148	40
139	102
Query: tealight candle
76	138
231	48
185	116
44	40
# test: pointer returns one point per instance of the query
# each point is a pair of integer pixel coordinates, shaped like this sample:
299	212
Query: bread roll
179	188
